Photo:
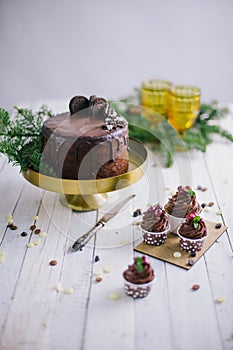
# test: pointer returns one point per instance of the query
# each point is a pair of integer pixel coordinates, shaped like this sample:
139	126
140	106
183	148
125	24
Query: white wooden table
34	315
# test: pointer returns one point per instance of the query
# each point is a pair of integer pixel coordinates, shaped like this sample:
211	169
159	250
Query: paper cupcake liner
191	245
137	290
155	238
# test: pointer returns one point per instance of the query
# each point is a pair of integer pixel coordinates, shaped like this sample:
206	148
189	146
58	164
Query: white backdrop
56	49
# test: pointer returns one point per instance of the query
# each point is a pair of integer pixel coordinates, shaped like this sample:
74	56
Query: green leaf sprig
139	264
195	221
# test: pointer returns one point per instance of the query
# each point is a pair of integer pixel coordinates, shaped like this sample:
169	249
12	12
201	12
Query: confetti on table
30	245
35	218
2	256
114	296
98	273
207	210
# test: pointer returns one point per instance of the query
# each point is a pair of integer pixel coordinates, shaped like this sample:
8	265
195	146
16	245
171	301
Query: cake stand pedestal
86	195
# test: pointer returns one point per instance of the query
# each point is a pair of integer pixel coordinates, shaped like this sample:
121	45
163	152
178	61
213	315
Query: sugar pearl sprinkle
35	218
69	290
177	255
43	234
114	296
58	287
219	300
30	245
2	256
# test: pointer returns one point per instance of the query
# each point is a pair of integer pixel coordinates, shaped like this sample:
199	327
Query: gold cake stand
86	195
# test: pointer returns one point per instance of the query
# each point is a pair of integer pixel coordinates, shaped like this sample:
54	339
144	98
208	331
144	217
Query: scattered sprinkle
191	262
69	290
53	262
137	223
137	212
124	242
2	253
177	254
195	287
219	212
207	210
218	225
219	300
97	258
36	242
98	273
204	189
30	245
35	218
199	187
211	204
193	254
203	205
107	269
114	296
58	287
24	234
32	227
98	279
9	219
43	234
37	231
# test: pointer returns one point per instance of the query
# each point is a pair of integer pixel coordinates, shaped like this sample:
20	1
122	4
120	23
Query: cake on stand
86	195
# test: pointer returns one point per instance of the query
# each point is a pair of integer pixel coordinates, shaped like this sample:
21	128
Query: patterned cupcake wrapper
137	290
155	238
191	245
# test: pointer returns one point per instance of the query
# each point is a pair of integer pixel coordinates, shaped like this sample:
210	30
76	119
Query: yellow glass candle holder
155	95
183	106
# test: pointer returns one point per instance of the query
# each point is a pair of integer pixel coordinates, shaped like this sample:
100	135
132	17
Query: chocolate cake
89	142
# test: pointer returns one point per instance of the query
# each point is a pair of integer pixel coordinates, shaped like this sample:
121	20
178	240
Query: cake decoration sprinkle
211	204
97	258
30	245
9	219
137	212
191	262
177	254
53	262
98	279
2	256
32	227
207	210
98	273
36	242
218	225
24	234
35	218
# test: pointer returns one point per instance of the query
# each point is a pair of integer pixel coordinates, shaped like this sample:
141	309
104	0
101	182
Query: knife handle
82	241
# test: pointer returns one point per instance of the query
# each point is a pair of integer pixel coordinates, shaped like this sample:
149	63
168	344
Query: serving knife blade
84	239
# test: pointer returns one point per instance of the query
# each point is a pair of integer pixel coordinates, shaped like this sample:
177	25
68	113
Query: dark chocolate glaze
78	147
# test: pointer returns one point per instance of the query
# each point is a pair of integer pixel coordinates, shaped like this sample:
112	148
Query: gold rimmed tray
83	195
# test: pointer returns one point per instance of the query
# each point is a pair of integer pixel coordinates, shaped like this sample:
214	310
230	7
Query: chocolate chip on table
199	187
97	258
203	205
37	231
53	262
99	279
195	287
12	227
193	254
211	204
24	234
77	103
204	189
137	212
32	227
191	262
218	225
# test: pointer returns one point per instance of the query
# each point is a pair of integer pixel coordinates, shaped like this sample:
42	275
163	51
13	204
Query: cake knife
82	241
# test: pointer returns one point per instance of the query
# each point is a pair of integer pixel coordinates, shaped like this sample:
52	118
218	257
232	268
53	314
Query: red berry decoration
191	216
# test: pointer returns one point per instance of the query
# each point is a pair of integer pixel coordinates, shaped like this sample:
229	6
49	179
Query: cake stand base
87	202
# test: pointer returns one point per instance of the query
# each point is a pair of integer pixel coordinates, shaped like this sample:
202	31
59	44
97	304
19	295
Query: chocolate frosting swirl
187	229
154	219
132	275
182	204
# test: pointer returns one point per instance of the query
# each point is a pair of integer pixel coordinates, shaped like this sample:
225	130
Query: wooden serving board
166	251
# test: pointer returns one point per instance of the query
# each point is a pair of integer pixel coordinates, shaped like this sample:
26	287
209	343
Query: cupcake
155	225
138	278
182	204
192	233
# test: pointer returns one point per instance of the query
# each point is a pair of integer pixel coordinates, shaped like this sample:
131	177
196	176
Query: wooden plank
30	313
70	312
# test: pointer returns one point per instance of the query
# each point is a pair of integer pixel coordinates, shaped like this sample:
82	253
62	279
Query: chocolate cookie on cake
89	142
138	278
181	204
155	225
